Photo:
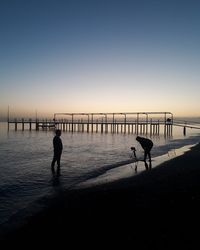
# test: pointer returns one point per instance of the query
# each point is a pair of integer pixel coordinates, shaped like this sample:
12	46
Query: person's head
58	132
138	138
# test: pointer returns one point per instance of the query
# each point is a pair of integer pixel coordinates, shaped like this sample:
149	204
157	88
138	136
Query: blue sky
99	56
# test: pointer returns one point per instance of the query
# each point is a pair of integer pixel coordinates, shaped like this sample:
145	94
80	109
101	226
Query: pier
151	123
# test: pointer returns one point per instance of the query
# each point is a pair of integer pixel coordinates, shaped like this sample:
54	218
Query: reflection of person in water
147	145
58	147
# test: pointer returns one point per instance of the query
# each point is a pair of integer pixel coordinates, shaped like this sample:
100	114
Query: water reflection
55	177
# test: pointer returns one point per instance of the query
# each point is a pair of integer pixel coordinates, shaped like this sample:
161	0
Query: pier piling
127	122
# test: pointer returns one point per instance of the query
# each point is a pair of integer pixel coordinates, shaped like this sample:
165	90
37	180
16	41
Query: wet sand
157	209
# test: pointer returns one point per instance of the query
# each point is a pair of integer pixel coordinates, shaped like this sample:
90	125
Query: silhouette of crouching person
147	145
58	147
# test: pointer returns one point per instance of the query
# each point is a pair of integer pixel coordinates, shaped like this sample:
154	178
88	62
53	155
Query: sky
99	56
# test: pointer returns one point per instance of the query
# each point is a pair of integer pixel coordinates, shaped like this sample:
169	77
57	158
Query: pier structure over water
152	123
124	122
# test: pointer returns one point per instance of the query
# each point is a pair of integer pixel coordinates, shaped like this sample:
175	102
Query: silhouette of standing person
58	147
147	145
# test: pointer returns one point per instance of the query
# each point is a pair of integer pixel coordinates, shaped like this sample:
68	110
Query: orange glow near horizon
15	112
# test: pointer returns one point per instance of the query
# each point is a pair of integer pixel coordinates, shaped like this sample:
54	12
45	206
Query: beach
155	209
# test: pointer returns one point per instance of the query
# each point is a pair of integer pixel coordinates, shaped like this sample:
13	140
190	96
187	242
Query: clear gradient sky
99	56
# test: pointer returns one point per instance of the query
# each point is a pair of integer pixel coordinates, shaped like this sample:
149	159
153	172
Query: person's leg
58	160
149	155
53	164
145	157
53	161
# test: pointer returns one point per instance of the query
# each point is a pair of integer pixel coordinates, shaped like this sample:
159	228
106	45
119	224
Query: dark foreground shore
157	209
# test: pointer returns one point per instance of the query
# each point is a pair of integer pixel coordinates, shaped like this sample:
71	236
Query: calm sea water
25	158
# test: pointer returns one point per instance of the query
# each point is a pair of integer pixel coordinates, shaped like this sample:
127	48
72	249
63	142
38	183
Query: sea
26	179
